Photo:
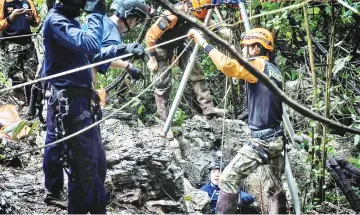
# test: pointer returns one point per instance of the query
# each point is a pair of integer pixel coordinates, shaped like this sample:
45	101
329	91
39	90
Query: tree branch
263	78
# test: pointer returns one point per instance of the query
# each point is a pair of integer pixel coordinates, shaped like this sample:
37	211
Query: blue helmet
125	9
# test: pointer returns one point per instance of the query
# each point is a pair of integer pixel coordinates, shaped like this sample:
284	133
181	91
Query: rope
108	117
19	36
89	65
223	125
86	67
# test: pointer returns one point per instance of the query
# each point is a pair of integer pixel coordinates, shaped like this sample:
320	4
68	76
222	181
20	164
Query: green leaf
340	64
356	139
188	198
33	127
18	129
141	109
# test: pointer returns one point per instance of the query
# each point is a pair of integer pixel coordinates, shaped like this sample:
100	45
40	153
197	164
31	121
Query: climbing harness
63	121
100	121
267	133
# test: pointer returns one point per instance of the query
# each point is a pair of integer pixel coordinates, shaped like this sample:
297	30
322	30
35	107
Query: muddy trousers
86	159
19	65
245	162
163	86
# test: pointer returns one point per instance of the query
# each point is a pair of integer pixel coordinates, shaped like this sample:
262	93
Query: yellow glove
194	34
152	64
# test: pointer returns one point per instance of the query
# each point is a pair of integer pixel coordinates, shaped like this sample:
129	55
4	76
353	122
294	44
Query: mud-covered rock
195	200
202	138
141	168
22	192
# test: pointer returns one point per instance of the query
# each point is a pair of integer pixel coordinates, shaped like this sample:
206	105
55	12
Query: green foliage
4	81
20	126
179	117
355	161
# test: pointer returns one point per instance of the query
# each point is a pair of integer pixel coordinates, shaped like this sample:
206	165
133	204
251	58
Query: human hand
16	13
134	72
225	33
195	34
152	64
29	15
136	49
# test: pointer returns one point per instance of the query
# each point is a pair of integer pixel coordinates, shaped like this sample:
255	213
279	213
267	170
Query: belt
71	92
267	133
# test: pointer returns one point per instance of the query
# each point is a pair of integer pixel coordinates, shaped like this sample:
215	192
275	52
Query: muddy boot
56	199
227	203
277	203
202	93
162	98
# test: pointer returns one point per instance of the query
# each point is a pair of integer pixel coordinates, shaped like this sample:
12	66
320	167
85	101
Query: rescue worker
73	105
20	60
166	28
127	14
265	115
212	188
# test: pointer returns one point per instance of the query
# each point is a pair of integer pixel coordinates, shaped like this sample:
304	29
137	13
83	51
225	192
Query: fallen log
336	168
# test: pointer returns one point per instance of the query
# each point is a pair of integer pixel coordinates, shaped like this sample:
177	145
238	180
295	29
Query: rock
23	193
163	206
196	200
141	166
202	138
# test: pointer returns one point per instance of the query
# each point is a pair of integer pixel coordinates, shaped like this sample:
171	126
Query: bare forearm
119	64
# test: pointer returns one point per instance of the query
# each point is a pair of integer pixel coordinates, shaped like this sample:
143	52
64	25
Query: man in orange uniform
265	115
20	60
169	27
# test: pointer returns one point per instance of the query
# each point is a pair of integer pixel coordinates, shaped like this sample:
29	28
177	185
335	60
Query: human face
132	22
249	50
214	176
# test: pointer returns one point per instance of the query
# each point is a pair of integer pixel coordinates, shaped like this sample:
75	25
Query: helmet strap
126	25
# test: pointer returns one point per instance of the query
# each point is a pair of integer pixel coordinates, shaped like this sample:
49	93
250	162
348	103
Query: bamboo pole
327	100
316	130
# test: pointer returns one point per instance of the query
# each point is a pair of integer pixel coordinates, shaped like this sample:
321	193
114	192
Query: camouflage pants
19	64
163	86
247	160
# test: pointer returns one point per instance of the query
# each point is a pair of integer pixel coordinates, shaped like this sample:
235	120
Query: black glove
133	48
95	6
134	72
136	49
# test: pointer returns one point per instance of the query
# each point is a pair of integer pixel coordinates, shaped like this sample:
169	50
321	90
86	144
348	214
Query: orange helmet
198	5
259	35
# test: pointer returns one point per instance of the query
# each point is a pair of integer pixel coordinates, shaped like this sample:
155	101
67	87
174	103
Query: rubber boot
277	203
56	199
162	98
227	203
202	93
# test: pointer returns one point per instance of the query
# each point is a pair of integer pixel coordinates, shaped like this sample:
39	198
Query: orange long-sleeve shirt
166	22
232	68
20	25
